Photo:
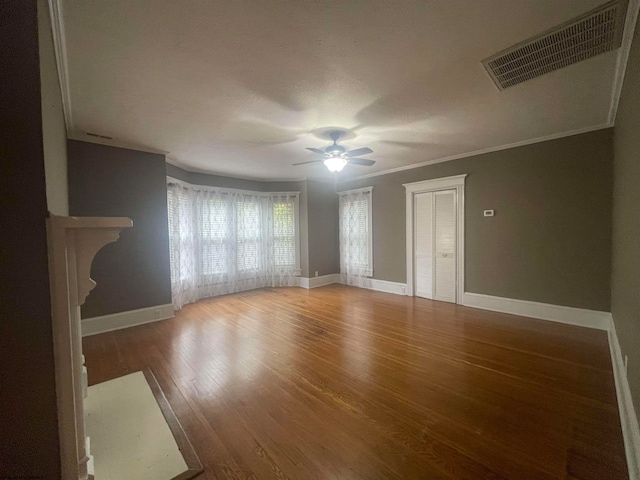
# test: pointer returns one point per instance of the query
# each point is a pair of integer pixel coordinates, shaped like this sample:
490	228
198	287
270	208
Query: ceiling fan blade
359	151
316	150
304	163
361	161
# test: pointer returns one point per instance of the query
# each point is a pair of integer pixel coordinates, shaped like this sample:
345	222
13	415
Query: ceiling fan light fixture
336	164
335	156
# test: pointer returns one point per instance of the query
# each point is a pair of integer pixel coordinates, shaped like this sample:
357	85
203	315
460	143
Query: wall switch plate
489	213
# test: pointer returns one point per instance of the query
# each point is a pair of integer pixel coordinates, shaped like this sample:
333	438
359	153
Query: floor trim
184	445
116	321
544	311
377	285
388	287
628	416
314	282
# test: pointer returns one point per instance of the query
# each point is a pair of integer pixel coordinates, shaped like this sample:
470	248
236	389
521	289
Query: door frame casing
457	183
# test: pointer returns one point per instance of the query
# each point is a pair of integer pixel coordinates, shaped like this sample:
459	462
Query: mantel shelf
91	222
89	235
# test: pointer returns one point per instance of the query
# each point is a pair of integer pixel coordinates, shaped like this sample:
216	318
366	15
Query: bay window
224	241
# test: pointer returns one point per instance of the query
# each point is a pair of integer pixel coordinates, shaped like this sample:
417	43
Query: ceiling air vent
591	34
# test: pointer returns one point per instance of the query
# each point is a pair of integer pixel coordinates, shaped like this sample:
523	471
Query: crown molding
116	143
189	169
60	47
522	143
631	19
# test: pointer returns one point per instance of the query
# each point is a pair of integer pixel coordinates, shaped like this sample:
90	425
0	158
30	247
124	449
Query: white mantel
73	243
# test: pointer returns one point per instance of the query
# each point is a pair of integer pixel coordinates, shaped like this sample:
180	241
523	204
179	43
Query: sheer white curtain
356	249
224	241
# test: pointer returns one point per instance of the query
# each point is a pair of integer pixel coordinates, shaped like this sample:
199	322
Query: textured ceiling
241	87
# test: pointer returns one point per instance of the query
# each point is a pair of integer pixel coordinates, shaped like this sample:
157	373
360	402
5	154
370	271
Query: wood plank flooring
344	383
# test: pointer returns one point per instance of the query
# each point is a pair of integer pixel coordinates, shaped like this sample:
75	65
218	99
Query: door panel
445	246
423	263
445	279
424	276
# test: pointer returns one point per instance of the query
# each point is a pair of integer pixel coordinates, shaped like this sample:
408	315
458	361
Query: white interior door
435	245
424	245
445	246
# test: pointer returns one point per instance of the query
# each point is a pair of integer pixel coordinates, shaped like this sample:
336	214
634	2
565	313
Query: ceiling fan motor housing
334	149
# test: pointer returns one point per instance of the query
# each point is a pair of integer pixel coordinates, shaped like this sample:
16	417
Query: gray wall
625	298
107	181
29	422
550	240
304	230
324	243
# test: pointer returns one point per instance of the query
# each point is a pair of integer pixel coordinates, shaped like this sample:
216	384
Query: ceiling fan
335	156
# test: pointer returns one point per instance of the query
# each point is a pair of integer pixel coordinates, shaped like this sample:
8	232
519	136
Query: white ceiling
242	87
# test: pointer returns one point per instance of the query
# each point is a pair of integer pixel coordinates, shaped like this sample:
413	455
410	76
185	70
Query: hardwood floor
345	383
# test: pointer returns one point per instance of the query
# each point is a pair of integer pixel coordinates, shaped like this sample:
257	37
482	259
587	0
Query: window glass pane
214	235
355	223
248	255
284	249
172	206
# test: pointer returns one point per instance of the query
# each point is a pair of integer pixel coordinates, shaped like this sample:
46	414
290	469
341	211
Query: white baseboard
314	282
388	287
378	285
116	321
543	311
628	416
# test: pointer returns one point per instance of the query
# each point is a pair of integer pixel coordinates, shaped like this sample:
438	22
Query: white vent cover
591	34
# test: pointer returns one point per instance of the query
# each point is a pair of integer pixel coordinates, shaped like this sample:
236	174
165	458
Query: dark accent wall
29	445
107	181
625	284
550	238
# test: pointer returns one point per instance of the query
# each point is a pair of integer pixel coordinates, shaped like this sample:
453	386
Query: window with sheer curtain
224	241
356	245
